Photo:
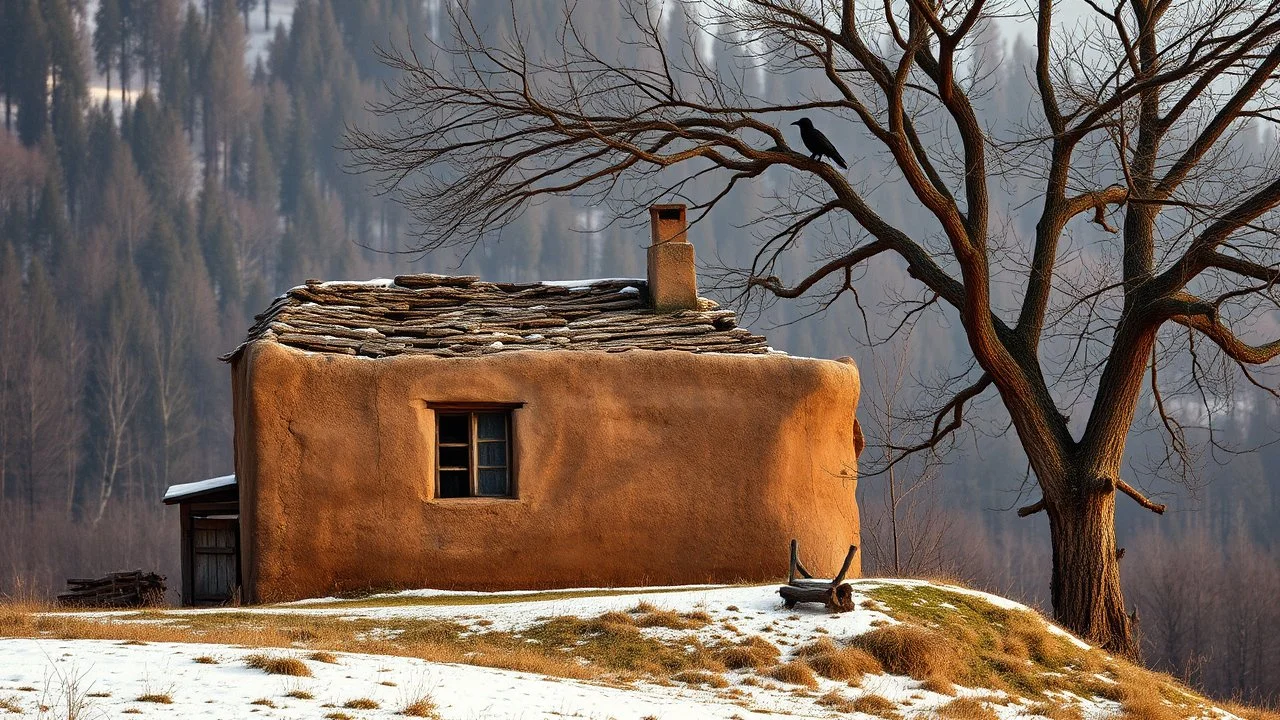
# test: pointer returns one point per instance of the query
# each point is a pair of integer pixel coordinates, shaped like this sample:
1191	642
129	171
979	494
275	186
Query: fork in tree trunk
836	594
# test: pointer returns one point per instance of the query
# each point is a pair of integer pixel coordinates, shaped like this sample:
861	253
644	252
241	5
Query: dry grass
205	660
361	704
672	619
837	702
324	657
972	642
1250	713
796	672
701	677
939	685
338	716
278	665
1057	711
161	698
967	709
753	652
877	705
842	664
266	702
421	707
913	651
300	694
10	704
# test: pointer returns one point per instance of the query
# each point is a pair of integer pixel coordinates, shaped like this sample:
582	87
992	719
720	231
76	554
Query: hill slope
911	649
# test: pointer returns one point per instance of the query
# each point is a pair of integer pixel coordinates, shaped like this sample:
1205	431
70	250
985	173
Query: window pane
494	482
493	454
455	457
454	428
493	426
454	484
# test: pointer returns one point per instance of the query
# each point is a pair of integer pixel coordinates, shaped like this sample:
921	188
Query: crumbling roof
460	316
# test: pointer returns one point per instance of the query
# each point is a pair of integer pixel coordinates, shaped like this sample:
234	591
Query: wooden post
791	567
848	560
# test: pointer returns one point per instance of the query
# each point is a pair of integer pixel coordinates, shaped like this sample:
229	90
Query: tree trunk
1085	588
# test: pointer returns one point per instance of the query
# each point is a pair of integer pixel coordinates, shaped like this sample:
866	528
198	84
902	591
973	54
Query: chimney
673	284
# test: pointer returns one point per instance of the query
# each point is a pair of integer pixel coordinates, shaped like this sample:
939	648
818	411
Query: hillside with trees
168	167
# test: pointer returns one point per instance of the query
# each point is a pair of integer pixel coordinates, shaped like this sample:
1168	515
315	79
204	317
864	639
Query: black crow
817	143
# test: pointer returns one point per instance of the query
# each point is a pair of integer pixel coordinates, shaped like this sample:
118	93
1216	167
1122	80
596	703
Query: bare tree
1136	128
910	514
117	389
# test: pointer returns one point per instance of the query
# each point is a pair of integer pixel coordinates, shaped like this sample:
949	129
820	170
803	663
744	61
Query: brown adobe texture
633	468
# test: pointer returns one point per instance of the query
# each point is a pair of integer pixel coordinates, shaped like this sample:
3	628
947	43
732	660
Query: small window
473	453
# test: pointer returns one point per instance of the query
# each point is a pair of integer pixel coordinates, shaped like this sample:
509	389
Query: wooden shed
210	511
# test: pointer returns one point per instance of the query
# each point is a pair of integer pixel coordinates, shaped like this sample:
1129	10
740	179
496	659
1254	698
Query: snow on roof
183	490
584	284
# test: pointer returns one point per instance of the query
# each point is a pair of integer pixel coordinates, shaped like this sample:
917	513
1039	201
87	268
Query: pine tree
245	7
33	72
10	34
106	37
217	243
296	171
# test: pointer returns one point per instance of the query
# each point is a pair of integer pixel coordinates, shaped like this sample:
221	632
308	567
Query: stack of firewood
120	589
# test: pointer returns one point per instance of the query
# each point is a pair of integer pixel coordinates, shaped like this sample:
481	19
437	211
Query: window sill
473	501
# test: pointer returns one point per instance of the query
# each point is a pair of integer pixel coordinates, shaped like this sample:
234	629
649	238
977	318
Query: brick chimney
673	283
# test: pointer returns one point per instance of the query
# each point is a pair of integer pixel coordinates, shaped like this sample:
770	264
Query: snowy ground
110	676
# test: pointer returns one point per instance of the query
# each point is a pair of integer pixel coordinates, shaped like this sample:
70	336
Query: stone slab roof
460	316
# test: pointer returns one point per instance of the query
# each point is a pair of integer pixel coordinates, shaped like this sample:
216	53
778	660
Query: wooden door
215	554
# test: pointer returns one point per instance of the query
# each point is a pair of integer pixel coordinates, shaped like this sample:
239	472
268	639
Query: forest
168	167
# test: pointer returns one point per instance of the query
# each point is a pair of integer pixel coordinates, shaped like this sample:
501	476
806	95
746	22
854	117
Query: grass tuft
847	664
1056	711
161	698
837	702
967	709
421	707
266	702
10	704
324	657
300	694
205	660
877	705
278	665
913	651
753	652
701	677
361	704
796	672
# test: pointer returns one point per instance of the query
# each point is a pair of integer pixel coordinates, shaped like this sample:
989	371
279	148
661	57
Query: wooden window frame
473	411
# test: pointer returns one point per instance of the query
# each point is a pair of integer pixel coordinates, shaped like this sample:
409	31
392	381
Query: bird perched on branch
817	143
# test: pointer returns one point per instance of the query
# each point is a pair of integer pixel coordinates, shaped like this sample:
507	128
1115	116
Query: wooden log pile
119	589
451	316
836	594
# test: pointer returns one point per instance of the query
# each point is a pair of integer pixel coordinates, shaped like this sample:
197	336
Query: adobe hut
445	432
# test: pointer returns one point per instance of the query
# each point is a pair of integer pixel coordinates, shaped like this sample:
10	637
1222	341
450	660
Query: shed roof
461	316
188	492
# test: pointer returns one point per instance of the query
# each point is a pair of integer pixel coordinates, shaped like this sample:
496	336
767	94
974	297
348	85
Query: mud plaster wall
632	468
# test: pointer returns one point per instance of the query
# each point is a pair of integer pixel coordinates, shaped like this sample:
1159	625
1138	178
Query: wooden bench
836	594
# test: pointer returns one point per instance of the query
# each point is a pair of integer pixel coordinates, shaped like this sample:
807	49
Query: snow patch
193	488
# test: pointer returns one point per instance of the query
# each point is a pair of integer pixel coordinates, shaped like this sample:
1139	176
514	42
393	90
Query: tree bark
1085	587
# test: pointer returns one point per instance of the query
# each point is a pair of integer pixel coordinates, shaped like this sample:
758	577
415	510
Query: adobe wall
634	468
